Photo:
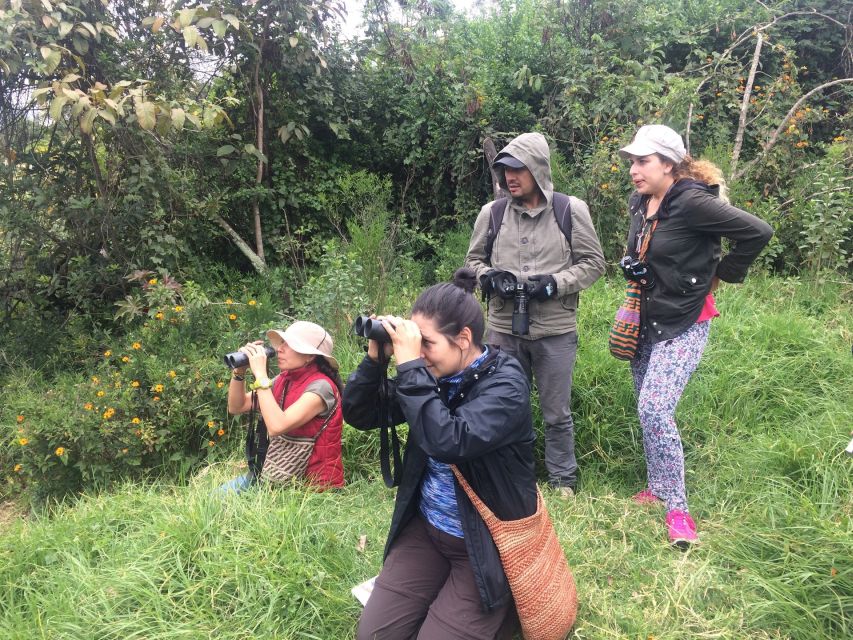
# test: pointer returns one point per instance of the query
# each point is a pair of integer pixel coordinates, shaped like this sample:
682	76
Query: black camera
638	271
240	359
370	328
520	305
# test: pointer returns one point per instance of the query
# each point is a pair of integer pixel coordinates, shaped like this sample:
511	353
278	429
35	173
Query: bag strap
646	239
257	437
562	205
387	451
327	421
479	505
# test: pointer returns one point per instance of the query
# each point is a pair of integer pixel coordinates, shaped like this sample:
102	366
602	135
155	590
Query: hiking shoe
681	528
565	493
646	497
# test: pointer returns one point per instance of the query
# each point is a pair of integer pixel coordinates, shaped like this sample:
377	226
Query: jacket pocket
690	283
569	302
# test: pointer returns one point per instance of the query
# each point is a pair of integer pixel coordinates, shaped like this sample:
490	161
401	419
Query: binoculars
240	359
637	271
370	328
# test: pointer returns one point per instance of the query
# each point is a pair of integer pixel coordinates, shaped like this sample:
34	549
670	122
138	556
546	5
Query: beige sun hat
306	337
656	138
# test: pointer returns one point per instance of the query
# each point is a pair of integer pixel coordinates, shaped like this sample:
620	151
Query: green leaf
178	117
232	20
90	28
106	115
146	114
56	105
71	77
204	23
88	120
65	28
185	17
293	41
225	150
190	36
219	27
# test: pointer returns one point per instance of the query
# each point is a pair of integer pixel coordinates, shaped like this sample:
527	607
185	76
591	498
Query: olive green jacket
530	242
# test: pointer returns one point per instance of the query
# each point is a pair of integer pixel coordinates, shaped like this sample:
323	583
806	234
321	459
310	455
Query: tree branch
744	107
259	265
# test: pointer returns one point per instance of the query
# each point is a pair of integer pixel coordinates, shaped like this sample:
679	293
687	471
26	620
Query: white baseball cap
656	138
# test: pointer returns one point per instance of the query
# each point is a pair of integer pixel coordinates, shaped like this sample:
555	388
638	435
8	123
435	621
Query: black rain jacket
486	430
684	253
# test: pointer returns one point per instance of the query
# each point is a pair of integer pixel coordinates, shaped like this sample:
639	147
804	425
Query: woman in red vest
300	401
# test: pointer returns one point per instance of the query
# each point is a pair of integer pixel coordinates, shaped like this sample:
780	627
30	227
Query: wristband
266	383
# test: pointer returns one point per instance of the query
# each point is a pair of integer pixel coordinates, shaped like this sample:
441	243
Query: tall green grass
764	423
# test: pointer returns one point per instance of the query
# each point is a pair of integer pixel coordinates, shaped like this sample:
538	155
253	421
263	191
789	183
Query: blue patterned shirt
438	490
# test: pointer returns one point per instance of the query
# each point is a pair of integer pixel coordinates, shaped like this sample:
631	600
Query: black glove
499	283
542	287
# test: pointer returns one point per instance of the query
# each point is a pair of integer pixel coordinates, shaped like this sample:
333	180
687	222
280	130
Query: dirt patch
9	512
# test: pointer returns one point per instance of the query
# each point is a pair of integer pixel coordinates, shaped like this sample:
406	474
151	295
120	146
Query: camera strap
257	437
386	424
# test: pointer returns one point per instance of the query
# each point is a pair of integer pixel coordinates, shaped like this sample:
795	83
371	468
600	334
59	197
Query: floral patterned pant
661	372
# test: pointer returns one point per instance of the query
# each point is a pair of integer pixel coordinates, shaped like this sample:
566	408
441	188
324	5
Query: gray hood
532	149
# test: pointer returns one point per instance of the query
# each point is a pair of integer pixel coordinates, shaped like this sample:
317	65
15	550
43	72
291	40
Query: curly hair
701	170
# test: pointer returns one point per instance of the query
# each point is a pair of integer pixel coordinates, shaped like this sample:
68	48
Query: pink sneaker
645	497
682	529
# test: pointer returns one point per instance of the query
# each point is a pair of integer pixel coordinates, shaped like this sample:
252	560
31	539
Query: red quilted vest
326	465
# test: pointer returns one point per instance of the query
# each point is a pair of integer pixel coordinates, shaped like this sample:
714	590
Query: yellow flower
134	384
124	450
125	359
229	301
178	308
158	388
220	384
211	424
152	281
96	379
109	413
88	406
135	420
159	315
210	443
117	384
20	419
613	168
233	316
749	203
101	394
221	432
605	186
136	346
60	451
23	441
172	373
108	353
252	303
18	468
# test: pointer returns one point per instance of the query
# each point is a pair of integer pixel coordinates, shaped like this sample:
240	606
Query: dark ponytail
452	306
326	369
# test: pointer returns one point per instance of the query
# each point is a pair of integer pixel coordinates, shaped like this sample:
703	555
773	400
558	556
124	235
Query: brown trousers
426	591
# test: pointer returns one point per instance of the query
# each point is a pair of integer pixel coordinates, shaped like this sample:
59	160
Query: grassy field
764	421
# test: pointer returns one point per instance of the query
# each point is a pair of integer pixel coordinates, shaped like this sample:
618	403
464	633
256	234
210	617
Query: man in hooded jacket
531	247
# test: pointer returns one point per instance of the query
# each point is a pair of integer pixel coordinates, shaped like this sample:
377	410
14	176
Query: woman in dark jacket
466	404
677	221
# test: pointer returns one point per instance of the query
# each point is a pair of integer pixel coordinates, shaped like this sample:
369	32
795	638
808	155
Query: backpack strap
562	205
495	221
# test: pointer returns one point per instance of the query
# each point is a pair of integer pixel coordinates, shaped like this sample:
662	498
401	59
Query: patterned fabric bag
625	331
539	577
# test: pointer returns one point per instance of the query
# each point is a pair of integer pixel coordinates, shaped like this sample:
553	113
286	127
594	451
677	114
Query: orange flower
158	388
107	353
136	346
23	441
20	419
604	186
221	432
159	315
109	413
60	451
232	316
156	398
134	384
125	359
229	301
124	450
88	406
210	443
18	468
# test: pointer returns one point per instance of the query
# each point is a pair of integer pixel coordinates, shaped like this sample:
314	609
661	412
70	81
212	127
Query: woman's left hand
257	358
715	282
405	338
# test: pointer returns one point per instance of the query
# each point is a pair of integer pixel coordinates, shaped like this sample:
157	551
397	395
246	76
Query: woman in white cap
677	220
304	400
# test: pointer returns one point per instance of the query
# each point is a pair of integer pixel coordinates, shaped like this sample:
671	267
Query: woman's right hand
374	345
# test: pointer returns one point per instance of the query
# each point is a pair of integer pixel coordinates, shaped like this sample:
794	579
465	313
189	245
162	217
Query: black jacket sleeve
360	402
749	234
478	426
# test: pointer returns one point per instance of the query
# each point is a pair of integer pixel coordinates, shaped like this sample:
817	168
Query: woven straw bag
536	568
